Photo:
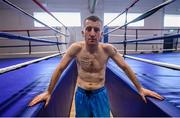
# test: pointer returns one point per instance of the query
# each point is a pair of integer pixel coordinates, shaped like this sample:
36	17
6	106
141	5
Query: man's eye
96	29
88	29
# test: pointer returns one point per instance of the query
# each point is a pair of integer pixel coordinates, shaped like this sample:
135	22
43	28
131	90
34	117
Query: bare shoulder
76	45
107	46
74	48
109	49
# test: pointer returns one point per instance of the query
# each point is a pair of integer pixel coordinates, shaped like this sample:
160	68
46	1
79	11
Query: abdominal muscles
91	80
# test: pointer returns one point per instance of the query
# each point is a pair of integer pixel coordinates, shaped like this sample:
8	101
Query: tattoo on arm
113	52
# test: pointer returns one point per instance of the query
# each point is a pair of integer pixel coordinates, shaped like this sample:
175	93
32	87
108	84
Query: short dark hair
93	18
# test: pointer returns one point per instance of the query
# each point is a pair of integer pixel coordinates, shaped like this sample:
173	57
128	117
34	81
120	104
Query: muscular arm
45	96
123	65
58	71
70	54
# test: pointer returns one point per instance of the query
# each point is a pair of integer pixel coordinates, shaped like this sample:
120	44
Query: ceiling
25	3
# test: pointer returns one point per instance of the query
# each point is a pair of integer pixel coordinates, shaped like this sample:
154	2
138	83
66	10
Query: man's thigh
100	105
82	105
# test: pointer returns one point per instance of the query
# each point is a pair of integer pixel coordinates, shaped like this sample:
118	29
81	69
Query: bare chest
91	62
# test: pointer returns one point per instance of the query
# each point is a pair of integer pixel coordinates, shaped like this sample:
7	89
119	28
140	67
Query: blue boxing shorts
92	103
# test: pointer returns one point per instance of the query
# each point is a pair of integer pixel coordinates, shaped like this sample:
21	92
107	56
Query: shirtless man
91	98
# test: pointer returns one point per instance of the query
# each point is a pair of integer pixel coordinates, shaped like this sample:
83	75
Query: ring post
106	38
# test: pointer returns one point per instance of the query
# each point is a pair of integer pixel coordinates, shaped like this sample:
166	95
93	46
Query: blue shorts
93	103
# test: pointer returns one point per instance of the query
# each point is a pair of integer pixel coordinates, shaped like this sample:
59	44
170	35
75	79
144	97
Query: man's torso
91	67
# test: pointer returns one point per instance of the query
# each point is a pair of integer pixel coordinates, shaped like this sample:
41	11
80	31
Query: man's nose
92	32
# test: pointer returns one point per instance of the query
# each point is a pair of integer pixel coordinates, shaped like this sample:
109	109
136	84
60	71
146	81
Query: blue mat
18	87
162	80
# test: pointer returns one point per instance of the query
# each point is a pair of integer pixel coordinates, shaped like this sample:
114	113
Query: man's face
92	32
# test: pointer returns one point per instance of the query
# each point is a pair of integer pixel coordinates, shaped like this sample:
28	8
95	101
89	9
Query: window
171	20
67	18
121	19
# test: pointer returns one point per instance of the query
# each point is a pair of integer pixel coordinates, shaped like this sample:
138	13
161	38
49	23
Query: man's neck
92	48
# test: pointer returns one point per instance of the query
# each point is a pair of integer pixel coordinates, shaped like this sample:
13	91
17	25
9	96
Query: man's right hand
45	96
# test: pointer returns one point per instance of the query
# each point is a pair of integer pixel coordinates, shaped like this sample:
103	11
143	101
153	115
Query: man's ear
101	37
82	32
102	33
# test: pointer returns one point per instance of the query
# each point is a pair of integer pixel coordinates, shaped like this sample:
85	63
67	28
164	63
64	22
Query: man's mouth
92	39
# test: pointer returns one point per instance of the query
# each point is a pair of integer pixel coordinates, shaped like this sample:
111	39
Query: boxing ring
23	84
23	79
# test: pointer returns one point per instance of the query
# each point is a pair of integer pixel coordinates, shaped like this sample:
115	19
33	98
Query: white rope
166	65
27	53
136	50
150	50
117	35
45	37
13	67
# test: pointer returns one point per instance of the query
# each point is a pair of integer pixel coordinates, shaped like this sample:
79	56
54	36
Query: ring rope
148	39
162	64
143	16
47	11
19	46
25	53
122	12
24	38
43	37
133	35
156	50
18	8
25	30
17	66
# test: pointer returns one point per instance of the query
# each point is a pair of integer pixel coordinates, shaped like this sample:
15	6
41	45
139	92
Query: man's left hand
145	92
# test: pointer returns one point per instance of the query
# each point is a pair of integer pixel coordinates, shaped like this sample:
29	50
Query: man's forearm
133	78
54	80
